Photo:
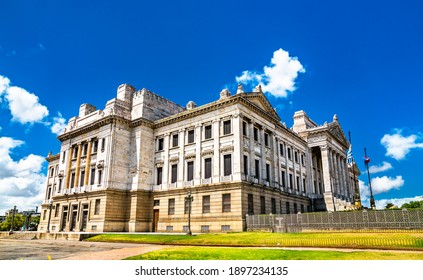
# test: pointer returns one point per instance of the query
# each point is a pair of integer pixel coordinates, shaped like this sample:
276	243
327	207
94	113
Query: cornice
94	125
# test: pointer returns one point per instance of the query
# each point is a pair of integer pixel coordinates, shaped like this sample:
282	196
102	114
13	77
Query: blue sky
359	59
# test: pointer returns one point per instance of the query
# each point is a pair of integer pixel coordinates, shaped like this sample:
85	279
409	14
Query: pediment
336	130
259	100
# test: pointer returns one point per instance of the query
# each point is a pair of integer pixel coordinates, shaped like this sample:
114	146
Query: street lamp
50	205
189	199
13	219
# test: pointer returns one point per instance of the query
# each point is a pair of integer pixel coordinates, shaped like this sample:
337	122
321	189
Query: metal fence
358	220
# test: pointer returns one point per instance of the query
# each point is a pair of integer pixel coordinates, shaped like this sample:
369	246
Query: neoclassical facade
130	166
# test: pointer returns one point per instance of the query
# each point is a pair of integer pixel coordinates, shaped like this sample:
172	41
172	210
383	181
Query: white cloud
398	146
380	168
59	124
278	78
379	185
4	84
380	204
24	106
22	182
385	184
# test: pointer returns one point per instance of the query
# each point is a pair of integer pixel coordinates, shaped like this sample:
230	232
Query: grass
382	240
213	253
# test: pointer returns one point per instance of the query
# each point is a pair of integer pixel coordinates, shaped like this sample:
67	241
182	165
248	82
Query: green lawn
411	240
213	253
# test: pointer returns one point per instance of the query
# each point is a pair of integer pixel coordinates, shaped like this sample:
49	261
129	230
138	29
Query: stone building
130	166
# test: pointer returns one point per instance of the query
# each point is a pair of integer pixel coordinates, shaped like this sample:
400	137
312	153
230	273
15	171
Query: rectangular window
268	172
257	168
99	176
81	180
226	202
226	127
296	156
63	156
159	175
92	177
160	144
191	136
51	171
295	208
289	153
190	171
288	211
244	129
302	208
283	179
59	188
205	228
281	149
207	132
206	204
302	160
97	207
207	168
103	144
171	206
256	136
266	140
75	152
262	205
95	146
273	203
174	175
156	202
85	149
56	210
250	204
175	140
280	207
290	181
72	180
245	165
227	165
304	185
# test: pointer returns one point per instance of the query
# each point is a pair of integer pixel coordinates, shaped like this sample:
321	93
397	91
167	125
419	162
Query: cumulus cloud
22	181
4	84
380	168
398	146
278	78
59	124
380	204
25	106
379	185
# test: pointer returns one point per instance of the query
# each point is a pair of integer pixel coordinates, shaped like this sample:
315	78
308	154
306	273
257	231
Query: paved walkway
13	249
18	249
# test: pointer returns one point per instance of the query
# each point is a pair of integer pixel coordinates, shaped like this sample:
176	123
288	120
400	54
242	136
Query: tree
17	223
413	205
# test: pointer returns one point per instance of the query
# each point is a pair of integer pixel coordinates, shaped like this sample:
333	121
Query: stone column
198	159
327	180
78	166
276	161
216	150
87	164
251	169
182	163
166	168
237	161
68	168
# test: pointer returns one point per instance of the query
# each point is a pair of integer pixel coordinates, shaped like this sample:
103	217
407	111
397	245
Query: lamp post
189	199
13	219
366	162
50	205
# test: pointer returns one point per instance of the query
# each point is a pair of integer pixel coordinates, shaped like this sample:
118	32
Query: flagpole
366	162
357	200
